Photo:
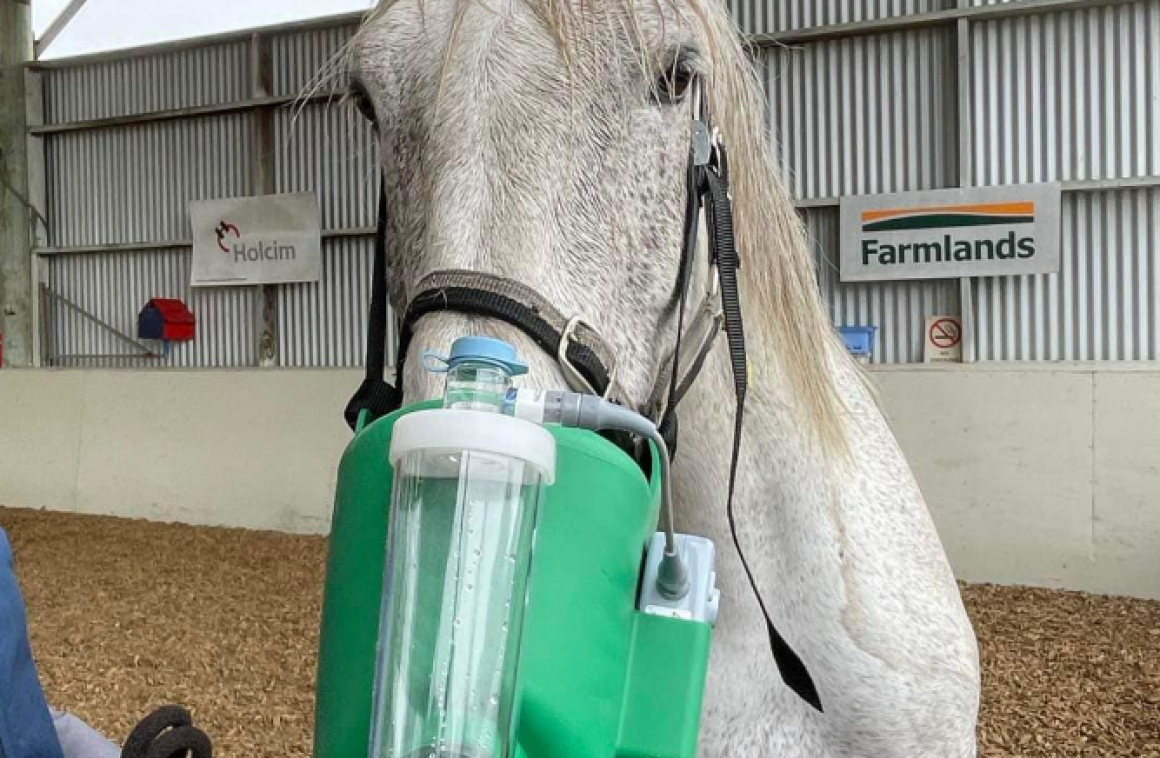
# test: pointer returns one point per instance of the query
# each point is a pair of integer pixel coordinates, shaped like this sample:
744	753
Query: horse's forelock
786	321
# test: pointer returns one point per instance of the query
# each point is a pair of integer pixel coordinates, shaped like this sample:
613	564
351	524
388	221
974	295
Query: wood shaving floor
126	615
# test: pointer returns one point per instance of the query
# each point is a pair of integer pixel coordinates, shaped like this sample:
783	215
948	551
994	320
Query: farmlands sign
990	231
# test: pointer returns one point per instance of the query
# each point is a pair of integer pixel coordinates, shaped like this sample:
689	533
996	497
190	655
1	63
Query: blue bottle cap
481	349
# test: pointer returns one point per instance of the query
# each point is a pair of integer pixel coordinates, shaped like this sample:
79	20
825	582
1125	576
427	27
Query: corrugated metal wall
1069	96
329	146
1105	302
760	16
1060	96
109	285
310	59
326	325
864	115
326	146
898	309
210	75
133	183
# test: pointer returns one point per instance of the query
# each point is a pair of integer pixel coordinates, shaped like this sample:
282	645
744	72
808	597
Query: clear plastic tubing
467	487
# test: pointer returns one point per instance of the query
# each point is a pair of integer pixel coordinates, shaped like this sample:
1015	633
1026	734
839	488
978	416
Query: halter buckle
575	379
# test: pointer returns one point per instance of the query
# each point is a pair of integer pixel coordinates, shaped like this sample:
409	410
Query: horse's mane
787	324
786	321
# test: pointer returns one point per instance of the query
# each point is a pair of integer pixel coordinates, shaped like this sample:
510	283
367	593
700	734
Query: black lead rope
167	732
723	250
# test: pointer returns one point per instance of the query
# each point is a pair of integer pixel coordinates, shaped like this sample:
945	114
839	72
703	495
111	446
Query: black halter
579	349
575	344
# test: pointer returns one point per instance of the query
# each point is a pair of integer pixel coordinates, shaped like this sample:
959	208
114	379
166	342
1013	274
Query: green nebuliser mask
484	591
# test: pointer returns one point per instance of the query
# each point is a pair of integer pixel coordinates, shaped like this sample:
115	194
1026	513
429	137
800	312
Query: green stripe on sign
944	220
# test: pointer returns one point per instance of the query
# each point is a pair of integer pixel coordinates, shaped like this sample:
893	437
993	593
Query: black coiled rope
168	732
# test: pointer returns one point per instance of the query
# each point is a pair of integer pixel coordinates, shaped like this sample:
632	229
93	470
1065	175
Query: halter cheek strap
708	179
374	395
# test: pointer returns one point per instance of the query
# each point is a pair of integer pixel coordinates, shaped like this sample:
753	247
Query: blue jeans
26	728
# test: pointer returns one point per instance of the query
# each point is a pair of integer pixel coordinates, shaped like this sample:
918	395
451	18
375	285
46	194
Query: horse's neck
847	559
780	473
786	504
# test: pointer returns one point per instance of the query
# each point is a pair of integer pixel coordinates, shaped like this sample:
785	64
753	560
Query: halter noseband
585	359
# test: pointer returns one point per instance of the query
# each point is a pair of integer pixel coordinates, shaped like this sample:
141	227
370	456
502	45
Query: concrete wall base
254	449
1036	474
1040	474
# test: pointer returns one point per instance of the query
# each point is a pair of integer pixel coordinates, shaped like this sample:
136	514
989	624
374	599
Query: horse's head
542	143
546	142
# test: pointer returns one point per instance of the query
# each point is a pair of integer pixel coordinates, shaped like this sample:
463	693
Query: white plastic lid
447	430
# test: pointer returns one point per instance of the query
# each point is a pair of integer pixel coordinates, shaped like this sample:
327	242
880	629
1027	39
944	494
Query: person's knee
79	740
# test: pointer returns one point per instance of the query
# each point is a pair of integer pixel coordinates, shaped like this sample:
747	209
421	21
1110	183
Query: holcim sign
267	239
942	234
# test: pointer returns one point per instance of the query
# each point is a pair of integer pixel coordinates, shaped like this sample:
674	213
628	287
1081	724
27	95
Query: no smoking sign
944	340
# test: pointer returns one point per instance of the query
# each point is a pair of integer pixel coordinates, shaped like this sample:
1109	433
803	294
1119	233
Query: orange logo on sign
944	216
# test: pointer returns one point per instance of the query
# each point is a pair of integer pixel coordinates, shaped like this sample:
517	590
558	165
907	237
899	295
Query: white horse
546	141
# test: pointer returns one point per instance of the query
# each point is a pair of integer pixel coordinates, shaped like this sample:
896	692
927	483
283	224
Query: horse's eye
674	81
357	95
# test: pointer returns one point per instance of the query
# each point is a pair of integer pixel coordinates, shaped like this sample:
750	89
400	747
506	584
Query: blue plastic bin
859	339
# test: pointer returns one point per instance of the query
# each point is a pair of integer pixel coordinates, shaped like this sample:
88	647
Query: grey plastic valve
702	601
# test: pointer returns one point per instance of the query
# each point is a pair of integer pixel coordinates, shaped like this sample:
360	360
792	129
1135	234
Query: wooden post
16	310
262	182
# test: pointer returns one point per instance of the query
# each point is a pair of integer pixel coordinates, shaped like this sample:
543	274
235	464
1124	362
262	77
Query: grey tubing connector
672	576
596	414
576	410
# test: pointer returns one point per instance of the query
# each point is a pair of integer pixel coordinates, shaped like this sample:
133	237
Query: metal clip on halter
703	143
704	137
